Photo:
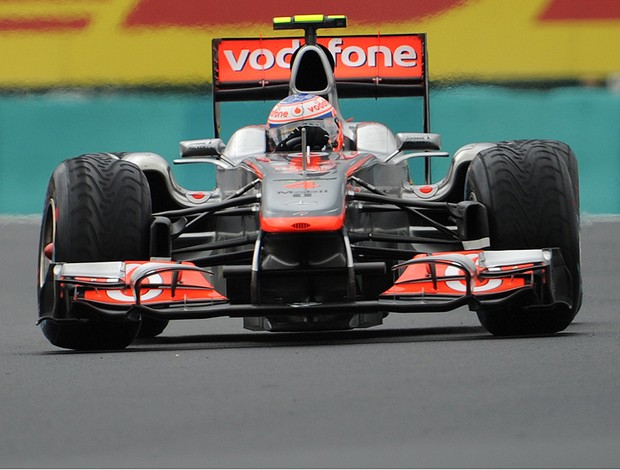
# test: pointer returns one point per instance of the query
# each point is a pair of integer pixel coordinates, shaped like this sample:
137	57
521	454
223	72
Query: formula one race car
314	222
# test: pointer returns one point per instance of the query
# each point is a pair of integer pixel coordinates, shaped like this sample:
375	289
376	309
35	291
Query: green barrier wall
39	131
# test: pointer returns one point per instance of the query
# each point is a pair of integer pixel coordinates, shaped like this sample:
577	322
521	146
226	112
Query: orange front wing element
457	274
155	283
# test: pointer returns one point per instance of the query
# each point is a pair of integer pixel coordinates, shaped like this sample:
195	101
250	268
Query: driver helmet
314	113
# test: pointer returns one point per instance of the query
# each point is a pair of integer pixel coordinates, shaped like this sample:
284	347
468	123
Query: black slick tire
97	208
531	191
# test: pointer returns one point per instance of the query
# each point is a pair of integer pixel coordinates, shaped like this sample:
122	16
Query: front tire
97	208
531	191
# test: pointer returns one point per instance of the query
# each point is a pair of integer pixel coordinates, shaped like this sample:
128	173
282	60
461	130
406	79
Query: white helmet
308	111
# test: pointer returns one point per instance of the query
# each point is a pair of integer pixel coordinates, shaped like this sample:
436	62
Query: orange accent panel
353	168
416	279
200	290
302	224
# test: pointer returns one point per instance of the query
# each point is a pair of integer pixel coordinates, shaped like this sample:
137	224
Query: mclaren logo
302	192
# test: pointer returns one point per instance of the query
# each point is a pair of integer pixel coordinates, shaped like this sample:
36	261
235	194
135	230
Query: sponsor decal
297	107
301	193
481	285
398	56
302	185
127	295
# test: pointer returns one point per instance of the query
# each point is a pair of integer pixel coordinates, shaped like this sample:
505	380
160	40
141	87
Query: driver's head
308	111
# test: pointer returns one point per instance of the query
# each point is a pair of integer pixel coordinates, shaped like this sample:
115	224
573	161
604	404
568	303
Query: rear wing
366	66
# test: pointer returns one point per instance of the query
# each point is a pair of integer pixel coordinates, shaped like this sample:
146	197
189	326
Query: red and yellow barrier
135	42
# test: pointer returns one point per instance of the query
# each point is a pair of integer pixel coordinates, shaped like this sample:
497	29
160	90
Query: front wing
439	282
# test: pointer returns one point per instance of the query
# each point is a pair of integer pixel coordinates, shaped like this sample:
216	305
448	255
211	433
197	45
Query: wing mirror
418	141
202	148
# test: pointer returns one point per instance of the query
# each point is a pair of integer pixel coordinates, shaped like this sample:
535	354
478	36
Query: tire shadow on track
309	339
325	338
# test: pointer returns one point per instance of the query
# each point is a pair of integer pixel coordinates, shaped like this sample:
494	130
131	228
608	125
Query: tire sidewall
519	229
61	206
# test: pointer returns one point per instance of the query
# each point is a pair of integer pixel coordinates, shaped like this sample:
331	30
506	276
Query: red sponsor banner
356	57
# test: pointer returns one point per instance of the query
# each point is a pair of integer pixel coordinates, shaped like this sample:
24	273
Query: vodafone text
403	55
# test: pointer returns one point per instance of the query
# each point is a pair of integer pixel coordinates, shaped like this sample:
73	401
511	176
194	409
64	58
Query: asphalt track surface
429	391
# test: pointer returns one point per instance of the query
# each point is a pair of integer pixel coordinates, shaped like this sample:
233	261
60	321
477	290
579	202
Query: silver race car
315	222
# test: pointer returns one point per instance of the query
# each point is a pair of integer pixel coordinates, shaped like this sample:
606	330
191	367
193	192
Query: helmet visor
281	133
